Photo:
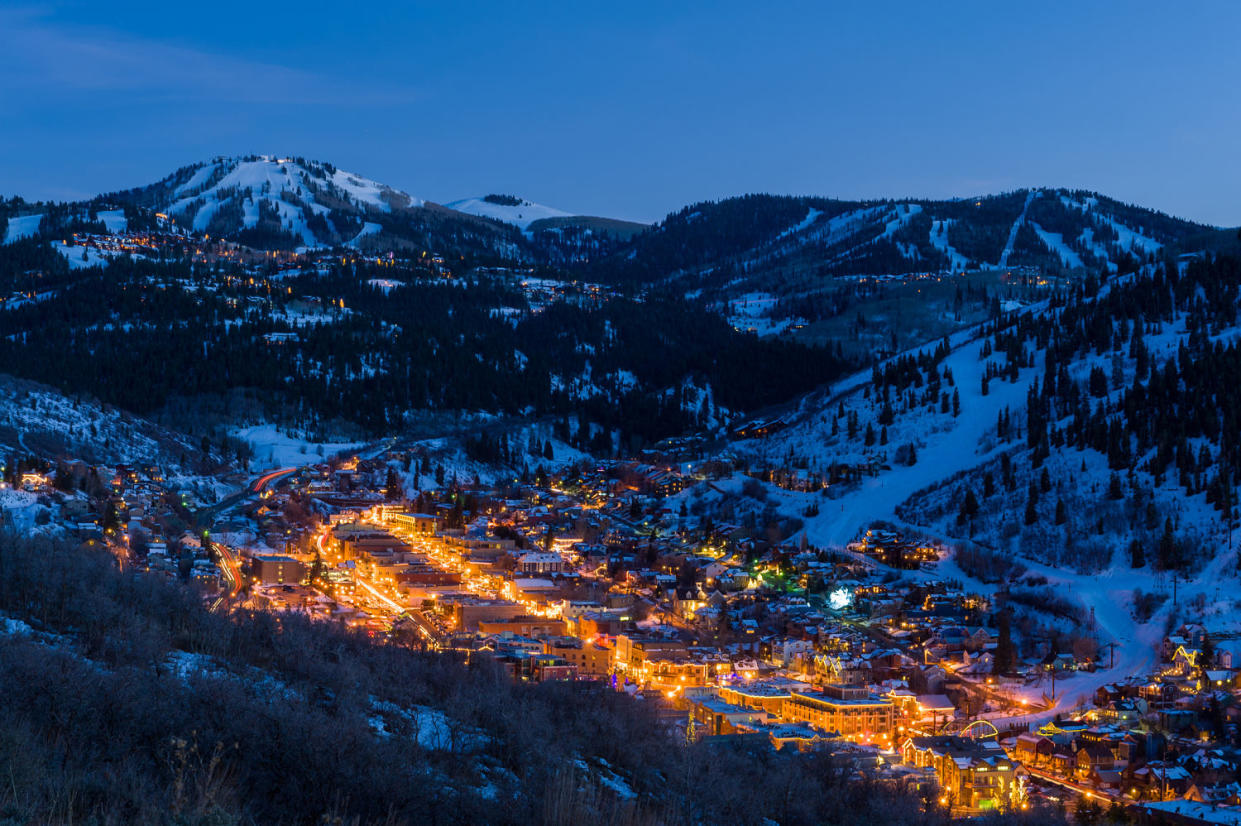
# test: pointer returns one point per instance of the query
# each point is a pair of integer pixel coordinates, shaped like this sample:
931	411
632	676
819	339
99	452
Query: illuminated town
599	575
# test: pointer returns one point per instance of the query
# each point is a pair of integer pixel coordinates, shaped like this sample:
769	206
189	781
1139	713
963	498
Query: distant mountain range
752	242
746	241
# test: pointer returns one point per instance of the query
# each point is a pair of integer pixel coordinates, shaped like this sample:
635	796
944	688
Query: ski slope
1012	233
22	226
1055	243
282	186
945	453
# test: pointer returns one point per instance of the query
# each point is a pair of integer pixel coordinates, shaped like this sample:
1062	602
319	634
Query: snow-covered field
753	312
80	257
521	215
274	448
114	220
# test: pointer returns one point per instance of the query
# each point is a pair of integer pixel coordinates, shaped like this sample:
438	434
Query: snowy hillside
528	450
273	447
823	264
23	226
799	248
755	243
314	202
850	426
265	202
37	421
1079	445
507	209
926	436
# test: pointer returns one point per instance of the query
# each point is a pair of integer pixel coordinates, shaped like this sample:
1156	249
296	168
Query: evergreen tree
392	486
969	508
1098	382
1005	655
1031	511
456	516
110	517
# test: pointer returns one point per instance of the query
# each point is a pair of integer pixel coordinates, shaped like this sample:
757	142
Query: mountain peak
273	199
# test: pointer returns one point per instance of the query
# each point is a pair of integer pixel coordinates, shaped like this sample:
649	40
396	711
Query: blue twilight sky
635	109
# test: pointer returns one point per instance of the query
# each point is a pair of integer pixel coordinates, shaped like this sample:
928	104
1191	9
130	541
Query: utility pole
1226	478
1111	659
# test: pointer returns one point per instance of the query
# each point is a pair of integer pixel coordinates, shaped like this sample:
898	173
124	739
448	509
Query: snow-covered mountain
267	202
752	241
312	201
283	182
507	209
790	247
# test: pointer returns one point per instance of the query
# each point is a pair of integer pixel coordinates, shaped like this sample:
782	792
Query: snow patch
520	216
22	226
80	257
273	448
810	218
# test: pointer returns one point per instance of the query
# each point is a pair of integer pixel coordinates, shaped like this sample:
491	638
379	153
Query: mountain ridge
755	242
1061	228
